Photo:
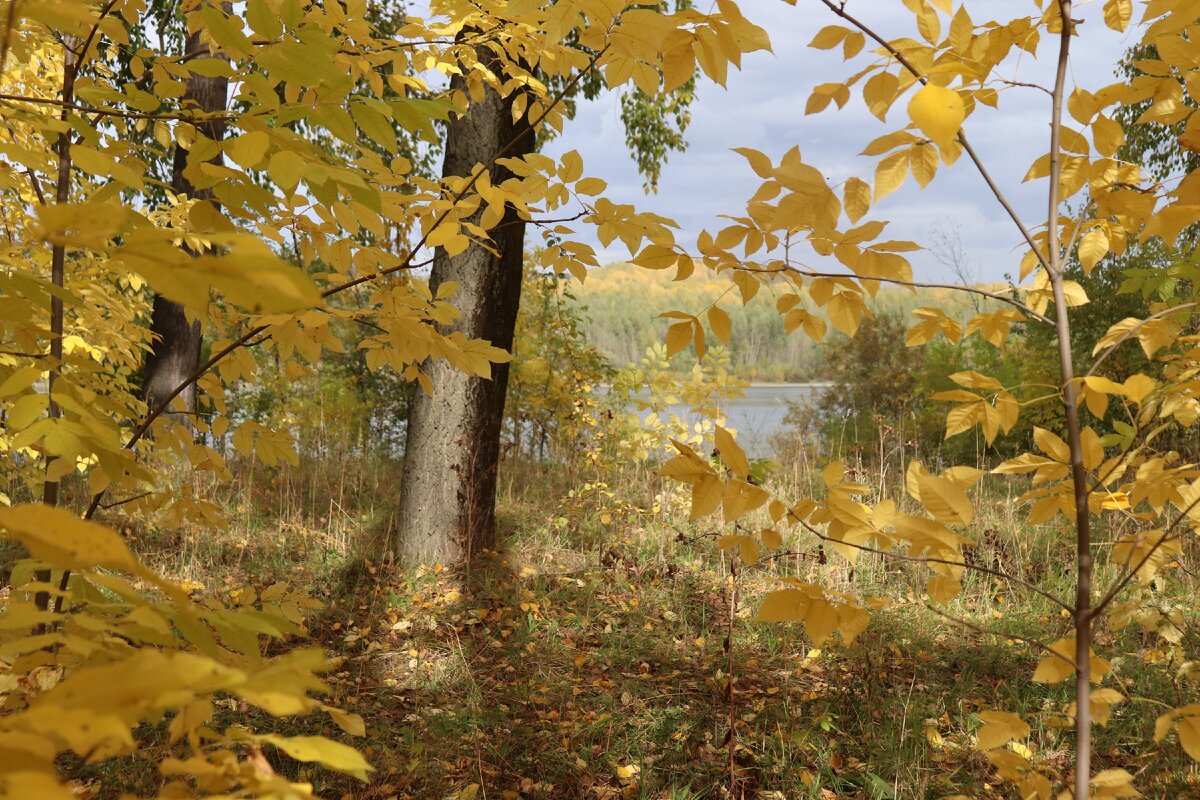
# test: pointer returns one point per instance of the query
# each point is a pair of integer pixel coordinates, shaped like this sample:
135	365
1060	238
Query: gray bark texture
448	490
175	345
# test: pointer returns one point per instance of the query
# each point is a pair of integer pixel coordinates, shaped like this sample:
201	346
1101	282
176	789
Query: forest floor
591	659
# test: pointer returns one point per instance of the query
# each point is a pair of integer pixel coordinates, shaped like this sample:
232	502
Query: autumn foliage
318	217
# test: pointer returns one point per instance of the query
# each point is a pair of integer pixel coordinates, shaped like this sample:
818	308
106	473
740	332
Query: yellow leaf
771	538
999	728
1137	386
974	380
856	198
733	455
943	589
285	168
1053	668
890	174
923	161
678	337
1188	729
748	550
1102	701
249	149
1075	294
591	186
1092	247
351	723
829	37
326	752
1051	445
1113	783
29	784
1108	135
945	501
740	497
720	323
263	20
879	92
730	541
928	24
706	496
783	605
571	168
939	113
58	537
1117	14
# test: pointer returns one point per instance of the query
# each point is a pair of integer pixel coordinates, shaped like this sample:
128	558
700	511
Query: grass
587	658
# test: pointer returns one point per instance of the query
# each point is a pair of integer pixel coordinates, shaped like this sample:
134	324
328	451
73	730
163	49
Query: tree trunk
448	491
175	344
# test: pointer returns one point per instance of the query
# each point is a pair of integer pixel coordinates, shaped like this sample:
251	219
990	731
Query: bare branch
1026	84
1039	645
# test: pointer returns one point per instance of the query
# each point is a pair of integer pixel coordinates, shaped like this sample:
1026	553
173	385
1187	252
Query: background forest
336	464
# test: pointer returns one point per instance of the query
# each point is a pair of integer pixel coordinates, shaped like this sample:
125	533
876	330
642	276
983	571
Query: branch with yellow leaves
839	8
1124	580
927	560
1127	335
1029	640
144	427
1017	304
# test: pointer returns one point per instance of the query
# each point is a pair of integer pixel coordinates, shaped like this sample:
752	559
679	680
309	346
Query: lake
759	414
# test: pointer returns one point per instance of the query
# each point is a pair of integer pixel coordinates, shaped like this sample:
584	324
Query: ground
594	661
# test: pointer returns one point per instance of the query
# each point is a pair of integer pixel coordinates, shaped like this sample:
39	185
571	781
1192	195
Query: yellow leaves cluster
125	660
1186	721
657	51
314	195
998	738
999	413
810	604
1059	664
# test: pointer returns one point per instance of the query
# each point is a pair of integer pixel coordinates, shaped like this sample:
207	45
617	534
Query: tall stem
1082	612
733	557
58	253
58	259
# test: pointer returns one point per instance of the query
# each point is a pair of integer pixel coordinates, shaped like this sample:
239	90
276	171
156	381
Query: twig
1026	84
922	285
729	651
101	111
1039	645
927	560
1082	612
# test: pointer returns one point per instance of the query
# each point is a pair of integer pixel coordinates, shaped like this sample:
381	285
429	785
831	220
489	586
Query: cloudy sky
763	108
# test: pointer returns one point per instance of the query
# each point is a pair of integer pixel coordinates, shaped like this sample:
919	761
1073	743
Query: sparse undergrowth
588	659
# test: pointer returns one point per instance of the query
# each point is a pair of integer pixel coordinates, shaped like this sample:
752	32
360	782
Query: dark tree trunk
175	346
448	492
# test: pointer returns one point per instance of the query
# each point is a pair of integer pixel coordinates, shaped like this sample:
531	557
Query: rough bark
175	346
448	491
